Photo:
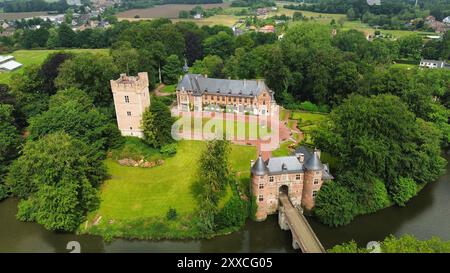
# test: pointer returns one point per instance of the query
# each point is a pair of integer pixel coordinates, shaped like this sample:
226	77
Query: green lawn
169	89
283	150
30	57
307	116
137	193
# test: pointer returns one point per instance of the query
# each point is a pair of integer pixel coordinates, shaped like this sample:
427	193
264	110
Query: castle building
198	93
131	98
300	176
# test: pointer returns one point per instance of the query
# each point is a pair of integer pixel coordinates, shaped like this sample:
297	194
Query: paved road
309	243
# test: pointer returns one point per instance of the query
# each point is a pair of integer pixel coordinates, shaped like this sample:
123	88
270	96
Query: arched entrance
284	189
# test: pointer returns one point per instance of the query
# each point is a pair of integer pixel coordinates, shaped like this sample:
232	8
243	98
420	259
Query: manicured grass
31	57
169	89
136	149
137	193
283	150
307	116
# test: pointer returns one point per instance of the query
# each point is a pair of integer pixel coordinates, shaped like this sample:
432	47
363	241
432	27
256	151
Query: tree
221	44
9	142
378	138
49	70
66	36
403	190
91	73
335	205
126	59
172	69
157	124
52	180
76	117
410	46
210	65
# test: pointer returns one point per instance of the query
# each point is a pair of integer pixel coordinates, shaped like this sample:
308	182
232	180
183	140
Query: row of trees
214	176
68	131
404	244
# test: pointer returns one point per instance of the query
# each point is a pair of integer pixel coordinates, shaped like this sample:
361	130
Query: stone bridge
303	237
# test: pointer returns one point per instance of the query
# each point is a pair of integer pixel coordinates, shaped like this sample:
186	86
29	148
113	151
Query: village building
267	29
299	176
432	64
131	98
199	93
8	63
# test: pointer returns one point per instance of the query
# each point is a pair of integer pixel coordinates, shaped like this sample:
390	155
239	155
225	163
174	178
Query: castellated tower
131	98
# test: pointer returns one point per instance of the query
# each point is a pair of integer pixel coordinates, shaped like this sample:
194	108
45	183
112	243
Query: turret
259	167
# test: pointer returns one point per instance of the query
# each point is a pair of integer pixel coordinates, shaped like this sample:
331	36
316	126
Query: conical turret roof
313	163
259	168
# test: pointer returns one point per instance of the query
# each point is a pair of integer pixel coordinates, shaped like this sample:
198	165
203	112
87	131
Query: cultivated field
31	57
21	15
165	11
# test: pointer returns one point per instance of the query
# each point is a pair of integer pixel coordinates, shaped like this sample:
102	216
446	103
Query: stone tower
313	169
131	98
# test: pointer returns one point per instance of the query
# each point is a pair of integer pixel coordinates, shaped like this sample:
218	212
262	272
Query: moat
426	215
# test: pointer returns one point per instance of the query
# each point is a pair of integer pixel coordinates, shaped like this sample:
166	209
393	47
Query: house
446	20
199	93
198	16
131	98
432	64
7	63
267	29
300	176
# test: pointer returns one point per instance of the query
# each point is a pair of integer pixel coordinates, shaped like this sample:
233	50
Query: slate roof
199	84
259	168
284	164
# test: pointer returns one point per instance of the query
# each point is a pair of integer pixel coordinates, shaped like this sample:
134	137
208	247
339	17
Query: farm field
20	15
165	11
31	57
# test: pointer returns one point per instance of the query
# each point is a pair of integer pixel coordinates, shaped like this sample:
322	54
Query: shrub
171	214
26	210
379	197
335	205
169	149
233	214
3	192
402	190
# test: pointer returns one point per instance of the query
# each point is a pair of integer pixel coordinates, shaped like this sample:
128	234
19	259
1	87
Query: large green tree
378	138
91	73
172	69
157	124
53	182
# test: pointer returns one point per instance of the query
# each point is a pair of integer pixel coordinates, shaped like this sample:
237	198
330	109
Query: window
270	178
297	177
317	173
264	102
316	181
261	198
131	128
129	113
127	99
314	194
261	186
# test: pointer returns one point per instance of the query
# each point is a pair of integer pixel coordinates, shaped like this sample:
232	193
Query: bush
379	198
402	190
171	214
3	192
335	205
233	214
26	211
169	149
